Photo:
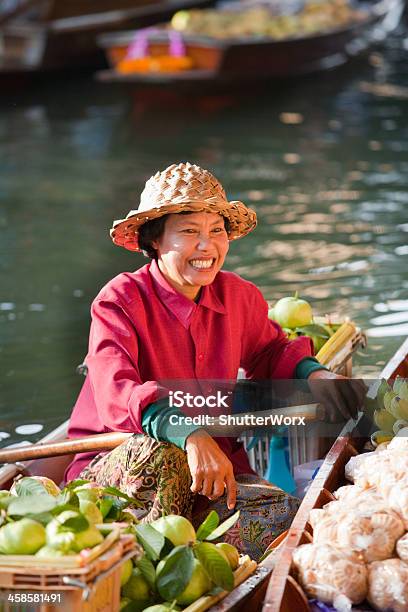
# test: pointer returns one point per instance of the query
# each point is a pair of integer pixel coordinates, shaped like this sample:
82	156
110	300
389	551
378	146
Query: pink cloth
145	333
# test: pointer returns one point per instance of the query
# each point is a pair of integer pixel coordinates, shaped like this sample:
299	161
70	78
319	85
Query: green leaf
215	564
314	330
62	507
151	540
68	497
75	524
44	517
29	486
105	505
208	525
176	572
118	493
148	571
38	504
74	484
223	528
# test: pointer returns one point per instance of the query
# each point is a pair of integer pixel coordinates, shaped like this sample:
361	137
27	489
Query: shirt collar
180	305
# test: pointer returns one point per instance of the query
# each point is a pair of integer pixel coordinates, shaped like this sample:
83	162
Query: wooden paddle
108	441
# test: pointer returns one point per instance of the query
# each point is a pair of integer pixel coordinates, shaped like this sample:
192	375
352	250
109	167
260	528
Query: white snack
325	572
402	548
388	585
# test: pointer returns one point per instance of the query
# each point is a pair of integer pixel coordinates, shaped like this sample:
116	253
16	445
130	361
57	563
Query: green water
331	194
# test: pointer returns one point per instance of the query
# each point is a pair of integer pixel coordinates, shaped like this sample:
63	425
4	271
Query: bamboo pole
108	441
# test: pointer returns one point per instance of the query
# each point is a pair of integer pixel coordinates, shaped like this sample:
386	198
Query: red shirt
144	332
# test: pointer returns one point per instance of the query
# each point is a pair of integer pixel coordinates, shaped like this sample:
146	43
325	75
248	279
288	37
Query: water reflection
323	161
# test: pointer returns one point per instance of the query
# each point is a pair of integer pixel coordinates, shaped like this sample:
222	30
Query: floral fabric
157	474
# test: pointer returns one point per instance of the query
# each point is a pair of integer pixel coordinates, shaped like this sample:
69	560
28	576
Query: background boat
237	60
43	35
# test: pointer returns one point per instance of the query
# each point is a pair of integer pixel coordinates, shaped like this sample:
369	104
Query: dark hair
153	230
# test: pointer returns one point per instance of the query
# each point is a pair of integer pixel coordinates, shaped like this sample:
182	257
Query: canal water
323	160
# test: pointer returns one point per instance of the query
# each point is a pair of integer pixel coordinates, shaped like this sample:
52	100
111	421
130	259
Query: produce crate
66	583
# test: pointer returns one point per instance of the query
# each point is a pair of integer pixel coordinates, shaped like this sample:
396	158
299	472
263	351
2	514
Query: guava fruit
136	588
90	511
176	528
126	572
87	539
58	536
89	491
48	484
293	312
5	493
23	537
199	584
231	554
48	552
161	607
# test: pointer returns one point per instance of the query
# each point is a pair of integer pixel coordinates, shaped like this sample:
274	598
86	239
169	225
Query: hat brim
242	220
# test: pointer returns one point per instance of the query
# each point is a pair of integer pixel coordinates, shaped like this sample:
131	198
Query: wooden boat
249	59
252	589
44	35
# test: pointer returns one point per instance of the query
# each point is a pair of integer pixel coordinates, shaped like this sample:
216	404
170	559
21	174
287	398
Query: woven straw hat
182	187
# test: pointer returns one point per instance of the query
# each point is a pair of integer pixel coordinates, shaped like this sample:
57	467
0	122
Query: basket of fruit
63	547
181	568
334	341
82	548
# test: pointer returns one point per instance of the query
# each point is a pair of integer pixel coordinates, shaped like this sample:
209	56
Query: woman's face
192	250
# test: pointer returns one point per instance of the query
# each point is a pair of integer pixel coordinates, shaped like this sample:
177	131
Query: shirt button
201	356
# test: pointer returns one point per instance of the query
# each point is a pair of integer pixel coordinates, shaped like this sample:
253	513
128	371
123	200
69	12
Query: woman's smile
202	264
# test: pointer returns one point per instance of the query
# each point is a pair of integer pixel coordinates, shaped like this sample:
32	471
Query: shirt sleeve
112	360
266	351
308	365
157	424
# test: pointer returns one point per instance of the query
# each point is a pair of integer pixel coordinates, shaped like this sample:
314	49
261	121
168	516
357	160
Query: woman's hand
210	468
342	397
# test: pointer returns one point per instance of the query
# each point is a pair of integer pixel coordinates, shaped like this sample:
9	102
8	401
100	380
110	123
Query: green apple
293	312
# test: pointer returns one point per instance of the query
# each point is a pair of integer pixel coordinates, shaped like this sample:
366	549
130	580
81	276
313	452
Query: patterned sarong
157	474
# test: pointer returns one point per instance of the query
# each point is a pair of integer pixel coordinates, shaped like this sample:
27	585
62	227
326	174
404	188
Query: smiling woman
180	323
